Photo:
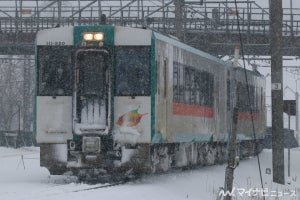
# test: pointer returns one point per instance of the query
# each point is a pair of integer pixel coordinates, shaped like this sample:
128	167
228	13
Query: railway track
100	186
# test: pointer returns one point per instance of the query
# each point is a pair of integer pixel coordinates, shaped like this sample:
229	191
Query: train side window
252	97
197	88
192	87
239	96
176	84
205	89
132	74
54	71
211	90
245	101
187	85
181	83
260	97
242	97
202	88
256	99
228	95
262	103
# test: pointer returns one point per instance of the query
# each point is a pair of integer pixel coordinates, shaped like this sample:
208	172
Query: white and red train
119	99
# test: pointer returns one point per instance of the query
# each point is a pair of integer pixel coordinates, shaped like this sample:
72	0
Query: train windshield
132	71
92	67
54	71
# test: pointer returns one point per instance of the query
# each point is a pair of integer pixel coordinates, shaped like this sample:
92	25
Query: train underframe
141	159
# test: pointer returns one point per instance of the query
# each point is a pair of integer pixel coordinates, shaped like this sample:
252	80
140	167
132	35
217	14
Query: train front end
80	100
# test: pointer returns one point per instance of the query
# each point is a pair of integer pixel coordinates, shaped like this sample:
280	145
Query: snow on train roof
132	36
199	52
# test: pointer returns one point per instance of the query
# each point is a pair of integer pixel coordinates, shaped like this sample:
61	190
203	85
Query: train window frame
245	104
187	85
50	85
228	94
144	76
87	78
193	87
175	83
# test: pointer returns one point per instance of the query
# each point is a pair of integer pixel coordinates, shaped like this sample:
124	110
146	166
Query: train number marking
56	43
276	86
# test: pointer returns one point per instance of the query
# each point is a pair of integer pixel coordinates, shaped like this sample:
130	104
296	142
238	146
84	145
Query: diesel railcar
111	98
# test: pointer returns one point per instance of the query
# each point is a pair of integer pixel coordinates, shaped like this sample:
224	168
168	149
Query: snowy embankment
24	179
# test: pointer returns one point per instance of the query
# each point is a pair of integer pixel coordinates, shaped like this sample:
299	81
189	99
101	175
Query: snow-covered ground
24	179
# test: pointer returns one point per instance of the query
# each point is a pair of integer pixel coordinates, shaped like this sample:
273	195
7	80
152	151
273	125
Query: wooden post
231	165
232	146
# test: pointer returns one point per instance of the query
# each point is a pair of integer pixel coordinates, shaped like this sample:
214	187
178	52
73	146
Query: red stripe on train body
246	116
192	110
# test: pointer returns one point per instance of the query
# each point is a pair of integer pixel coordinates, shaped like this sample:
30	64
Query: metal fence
209	17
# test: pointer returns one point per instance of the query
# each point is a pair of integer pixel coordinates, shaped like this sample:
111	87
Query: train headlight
98	36
93	36
91	144
88	36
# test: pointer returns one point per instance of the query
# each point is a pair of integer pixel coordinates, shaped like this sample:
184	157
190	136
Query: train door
90	98
162	68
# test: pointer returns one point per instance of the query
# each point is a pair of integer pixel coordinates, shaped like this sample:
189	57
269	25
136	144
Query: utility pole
59	12
297	112
232	154
179	17
233	114
297	115
289	149
227	21
277	93
292	18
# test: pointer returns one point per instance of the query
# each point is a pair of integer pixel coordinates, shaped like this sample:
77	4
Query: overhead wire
248	94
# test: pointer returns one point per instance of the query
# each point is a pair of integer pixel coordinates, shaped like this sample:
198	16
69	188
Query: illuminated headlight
98	36
93	36
91	144
88	36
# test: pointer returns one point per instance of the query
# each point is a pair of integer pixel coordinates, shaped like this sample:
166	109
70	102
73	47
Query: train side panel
181	116
54	119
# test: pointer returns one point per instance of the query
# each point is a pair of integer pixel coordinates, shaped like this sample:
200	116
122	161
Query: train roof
189	48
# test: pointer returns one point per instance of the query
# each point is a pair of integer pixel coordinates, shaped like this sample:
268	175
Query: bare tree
15	74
